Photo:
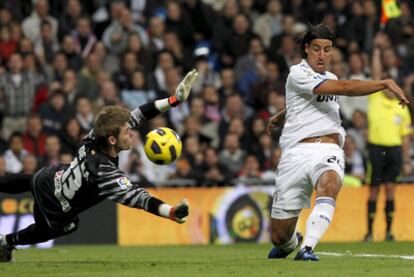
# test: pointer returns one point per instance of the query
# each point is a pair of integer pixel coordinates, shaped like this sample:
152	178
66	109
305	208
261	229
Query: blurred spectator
237	43
69	49
206	75
116	34
228	83
208	127
214	172
211	99
270	23
129	64
143	56
18	89
46	44
108	95
354	164
70	87
182	55
84	114
358	131
237	127
56	70
5	17
15	153
29	164
139	93
109	63
156	32
53	148
134	168
251	170
70	136
68	20
84	37
192	151
232	155
88	75
234	108
179	22
165	62
202	18
192	128
186	170
223	24
270	81
32	24
7	44
54	112
246	7
34	138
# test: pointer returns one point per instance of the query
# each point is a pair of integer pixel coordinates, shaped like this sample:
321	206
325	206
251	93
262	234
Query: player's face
319	53
124	140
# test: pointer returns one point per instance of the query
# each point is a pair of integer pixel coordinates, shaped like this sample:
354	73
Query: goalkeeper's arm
178	213
152	109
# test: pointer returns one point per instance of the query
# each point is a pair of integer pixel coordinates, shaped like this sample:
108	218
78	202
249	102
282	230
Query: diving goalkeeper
62	192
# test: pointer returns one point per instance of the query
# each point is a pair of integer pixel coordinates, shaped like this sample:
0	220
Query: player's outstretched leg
282	252
5	250
316	226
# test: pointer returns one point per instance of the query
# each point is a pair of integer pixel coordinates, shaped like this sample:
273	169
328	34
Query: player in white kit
311	142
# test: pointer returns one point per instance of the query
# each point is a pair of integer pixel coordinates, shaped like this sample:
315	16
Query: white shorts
298	172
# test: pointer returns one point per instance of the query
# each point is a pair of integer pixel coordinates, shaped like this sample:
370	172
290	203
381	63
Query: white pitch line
366	255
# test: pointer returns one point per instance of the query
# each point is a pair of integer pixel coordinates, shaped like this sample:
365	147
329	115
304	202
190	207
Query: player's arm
115	186
359	88
152	109
276	120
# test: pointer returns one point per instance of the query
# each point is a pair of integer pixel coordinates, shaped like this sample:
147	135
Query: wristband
173	101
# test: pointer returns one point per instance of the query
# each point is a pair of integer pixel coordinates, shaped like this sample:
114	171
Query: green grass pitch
386	259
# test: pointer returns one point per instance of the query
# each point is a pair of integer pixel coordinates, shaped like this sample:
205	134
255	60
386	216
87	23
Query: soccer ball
162	145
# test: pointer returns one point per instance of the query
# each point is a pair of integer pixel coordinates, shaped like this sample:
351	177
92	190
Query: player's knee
280	238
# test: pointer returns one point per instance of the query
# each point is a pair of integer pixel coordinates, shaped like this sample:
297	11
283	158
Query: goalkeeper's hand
184	87
179	213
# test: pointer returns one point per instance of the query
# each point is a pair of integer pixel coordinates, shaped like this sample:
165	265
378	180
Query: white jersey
308	114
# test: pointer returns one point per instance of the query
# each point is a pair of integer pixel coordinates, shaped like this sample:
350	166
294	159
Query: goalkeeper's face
124	140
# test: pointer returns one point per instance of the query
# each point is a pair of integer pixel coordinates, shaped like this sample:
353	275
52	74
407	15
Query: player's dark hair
319	31
108	123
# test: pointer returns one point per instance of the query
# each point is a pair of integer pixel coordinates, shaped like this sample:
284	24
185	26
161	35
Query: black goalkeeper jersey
64	191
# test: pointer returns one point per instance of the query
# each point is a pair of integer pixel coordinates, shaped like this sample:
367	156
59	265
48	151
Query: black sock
389	213
372	207
31	235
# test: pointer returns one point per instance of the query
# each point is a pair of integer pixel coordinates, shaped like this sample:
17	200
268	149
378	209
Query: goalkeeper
62	192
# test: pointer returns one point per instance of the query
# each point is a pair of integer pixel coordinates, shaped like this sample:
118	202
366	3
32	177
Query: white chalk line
365	255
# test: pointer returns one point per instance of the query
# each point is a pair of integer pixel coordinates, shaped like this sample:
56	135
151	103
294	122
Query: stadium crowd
62	61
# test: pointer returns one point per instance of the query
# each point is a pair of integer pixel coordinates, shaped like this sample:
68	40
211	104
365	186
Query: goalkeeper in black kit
62	192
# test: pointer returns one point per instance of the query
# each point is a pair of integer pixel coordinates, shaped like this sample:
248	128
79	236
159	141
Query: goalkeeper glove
183	89
179	213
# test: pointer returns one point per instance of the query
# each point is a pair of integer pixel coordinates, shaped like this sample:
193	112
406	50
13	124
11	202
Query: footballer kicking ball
162	145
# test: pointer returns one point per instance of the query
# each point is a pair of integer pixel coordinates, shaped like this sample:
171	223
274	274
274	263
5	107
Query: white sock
291	244
318	221
3	241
